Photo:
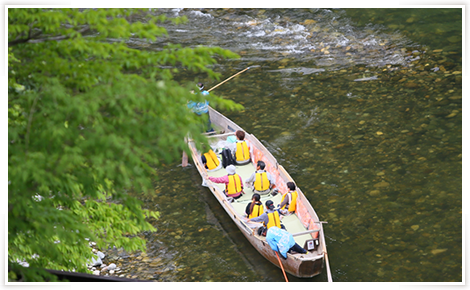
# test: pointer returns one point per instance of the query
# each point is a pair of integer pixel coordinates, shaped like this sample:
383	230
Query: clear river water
363	107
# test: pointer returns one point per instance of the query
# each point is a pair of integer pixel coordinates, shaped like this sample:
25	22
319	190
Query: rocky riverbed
379	159
138	265
367	122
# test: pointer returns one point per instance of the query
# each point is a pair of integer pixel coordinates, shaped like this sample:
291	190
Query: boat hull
299	265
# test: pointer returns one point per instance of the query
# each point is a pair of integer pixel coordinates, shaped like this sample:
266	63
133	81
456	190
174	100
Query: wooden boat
304	225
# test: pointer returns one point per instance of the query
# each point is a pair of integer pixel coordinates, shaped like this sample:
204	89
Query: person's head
240	135
270	204
200	86
230	170
291	185
255	198
261	165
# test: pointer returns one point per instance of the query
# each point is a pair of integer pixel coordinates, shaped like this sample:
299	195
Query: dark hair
240	135
257	198
270	204
291	185
200	86
261	164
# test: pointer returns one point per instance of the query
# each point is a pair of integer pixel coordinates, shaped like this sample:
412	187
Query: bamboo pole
328	272
304	233
229	78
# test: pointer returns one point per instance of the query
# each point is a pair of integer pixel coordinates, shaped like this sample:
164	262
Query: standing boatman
201	108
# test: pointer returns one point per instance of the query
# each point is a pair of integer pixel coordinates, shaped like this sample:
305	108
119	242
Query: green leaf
89	119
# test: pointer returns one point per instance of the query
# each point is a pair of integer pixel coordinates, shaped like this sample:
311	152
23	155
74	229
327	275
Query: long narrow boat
304	225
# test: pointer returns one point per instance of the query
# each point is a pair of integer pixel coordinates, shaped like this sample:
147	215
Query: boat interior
292	222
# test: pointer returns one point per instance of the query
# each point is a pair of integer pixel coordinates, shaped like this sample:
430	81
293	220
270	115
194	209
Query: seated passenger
242	150
233	182
255	207
211	161
270	218
261	181
289	199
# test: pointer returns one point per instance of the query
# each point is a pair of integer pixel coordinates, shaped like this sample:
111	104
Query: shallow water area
363	107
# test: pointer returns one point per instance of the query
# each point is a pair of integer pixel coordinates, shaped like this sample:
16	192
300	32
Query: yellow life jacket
234	185
211	160
274	220
242	153
261	181
257	211
292	202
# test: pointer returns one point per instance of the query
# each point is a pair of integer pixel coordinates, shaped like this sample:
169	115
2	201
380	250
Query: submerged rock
438	251
366	79
382	184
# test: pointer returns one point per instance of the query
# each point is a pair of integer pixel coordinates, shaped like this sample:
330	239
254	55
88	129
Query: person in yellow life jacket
233	182
211	161
255	207
289	199
270	218
242	150
261	181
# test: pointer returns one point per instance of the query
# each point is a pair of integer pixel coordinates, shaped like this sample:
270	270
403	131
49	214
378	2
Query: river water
274	2
363	107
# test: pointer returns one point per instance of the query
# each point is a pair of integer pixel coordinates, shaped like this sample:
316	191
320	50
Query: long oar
328	272
282	267
231	77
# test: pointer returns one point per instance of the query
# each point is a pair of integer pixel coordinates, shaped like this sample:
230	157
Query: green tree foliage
2	138
144	2
89	120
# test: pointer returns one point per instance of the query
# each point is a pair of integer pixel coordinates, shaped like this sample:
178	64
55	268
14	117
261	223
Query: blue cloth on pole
280	240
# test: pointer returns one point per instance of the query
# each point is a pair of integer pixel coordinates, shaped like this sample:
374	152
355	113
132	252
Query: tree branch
23	40
33	38
56	38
